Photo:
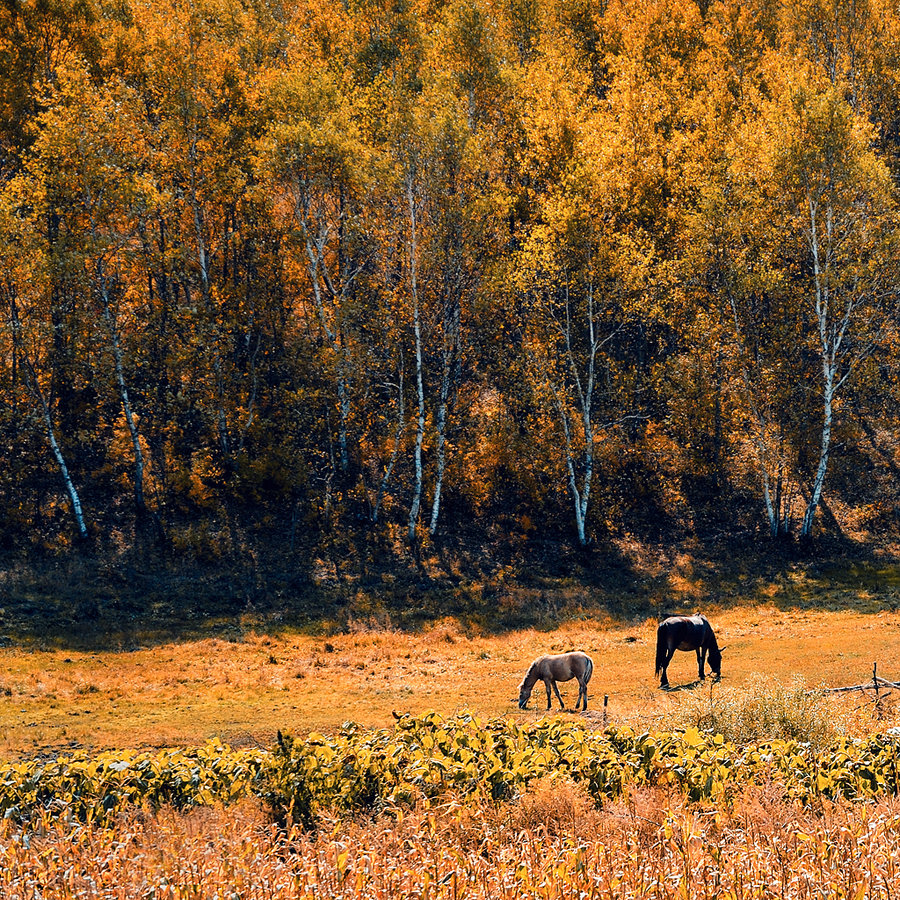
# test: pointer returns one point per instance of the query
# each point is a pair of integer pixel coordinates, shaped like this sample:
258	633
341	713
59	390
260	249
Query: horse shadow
690	686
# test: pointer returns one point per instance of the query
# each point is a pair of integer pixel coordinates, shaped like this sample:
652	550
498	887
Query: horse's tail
660	650
588	669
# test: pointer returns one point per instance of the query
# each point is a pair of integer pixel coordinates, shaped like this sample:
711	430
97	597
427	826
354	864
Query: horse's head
528	682
524	694
715	660
526	687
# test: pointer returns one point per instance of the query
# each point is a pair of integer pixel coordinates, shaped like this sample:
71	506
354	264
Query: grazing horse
686	633
561	667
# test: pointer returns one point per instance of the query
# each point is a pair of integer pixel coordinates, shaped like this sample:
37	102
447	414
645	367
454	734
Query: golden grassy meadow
551	842
245	689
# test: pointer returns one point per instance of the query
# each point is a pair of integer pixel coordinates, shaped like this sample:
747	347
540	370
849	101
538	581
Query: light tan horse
559	667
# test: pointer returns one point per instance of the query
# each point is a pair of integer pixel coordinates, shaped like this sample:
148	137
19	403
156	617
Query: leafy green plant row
432	757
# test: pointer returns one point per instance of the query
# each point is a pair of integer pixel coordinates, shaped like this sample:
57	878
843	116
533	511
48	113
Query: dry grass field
244	689
552	845
552	841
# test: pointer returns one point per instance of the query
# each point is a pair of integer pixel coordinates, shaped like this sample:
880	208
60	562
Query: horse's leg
547	684
701	659
582	695
664	679
558	697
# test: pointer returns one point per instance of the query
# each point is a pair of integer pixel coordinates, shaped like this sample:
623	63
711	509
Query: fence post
877	694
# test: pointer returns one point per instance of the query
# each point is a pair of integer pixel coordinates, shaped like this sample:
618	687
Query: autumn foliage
453	807
304	267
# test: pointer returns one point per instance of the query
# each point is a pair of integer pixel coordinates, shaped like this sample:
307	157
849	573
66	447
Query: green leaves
430	759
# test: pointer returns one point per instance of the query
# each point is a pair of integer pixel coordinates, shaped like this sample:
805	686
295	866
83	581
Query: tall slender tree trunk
821	469
315	254
139	500
585	388
395	453
72	491
420	378
440	454
580	507
581	494
830	339
112	326
451	355
58	455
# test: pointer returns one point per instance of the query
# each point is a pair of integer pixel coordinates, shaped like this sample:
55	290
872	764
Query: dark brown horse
561	667
687	633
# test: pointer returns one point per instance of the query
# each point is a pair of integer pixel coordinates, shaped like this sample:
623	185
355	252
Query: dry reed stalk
650	845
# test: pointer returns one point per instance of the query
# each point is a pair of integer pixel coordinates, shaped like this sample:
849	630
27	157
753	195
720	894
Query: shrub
765	710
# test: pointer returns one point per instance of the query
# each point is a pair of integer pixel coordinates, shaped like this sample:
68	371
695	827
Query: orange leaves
277	235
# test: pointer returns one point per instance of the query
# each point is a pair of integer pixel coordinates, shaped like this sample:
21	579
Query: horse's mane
531	670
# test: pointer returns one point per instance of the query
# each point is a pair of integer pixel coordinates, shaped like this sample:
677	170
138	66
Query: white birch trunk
580	506
581	497
829	345
123	395
767	499
579	488
420	385
63	469
337	289
112	326
587	403
451	350
398	435
440	457
819	480
31	376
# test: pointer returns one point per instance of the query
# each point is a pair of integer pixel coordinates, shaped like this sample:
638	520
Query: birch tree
446	157
316	155
841	217
27	352
730	260
579	279
413	208
584	268
32	320
89	150
438	164
820	204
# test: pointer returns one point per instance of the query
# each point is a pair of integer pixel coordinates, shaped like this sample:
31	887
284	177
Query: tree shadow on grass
93	605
